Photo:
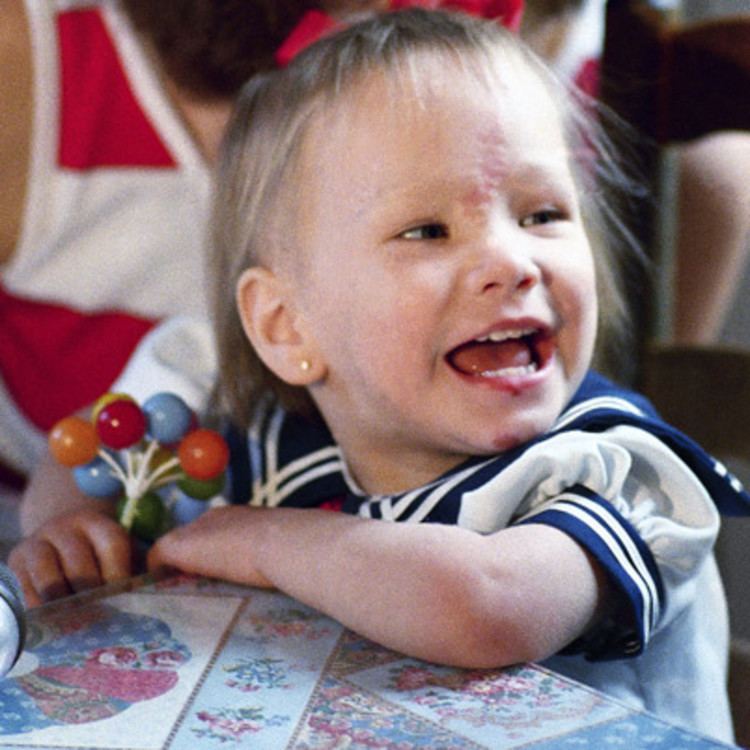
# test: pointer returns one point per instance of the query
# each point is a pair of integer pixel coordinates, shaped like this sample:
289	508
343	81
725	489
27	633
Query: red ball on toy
120	424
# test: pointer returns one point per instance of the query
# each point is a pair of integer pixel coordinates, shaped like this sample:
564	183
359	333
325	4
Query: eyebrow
557	174
546	165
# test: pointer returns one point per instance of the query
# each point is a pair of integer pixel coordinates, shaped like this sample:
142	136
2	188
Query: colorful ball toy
132	451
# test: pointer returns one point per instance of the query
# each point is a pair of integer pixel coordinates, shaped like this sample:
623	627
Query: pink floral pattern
517	699
287	678
283	623
86	672
233	725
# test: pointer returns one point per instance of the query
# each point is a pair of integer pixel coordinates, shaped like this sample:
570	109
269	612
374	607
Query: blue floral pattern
89	667
284	676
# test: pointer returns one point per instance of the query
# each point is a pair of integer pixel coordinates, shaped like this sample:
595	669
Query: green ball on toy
150	519
139	450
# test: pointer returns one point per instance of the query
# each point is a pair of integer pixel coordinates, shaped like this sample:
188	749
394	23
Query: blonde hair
266	134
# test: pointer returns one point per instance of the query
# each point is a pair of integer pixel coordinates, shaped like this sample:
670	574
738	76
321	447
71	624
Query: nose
503	263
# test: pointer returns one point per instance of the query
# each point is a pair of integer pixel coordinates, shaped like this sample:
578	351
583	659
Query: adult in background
713	211
112	112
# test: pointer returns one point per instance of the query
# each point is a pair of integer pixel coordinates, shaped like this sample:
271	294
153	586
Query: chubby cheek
577	308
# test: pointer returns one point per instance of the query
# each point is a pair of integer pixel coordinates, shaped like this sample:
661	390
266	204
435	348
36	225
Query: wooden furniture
676	81
705	392
673	81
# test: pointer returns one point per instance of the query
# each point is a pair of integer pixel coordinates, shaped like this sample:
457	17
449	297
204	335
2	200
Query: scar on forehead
489	169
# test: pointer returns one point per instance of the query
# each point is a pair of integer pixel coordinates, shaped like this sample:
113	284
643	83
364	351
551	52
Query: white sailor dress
642	498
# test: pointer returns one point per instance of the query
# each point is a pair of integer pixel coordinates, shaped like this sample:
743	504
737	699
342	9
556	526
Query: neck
400	470
205	119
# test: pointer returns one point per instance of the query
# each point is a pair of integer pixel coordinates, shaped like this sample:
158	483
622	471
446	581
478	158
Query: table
191	663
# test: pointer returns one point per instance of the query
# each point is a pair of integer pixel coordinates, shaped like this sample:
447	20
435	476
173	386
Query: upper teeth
497	336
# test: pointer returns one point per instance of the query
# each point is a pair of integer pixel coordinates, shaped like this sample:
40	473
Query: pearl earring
305	365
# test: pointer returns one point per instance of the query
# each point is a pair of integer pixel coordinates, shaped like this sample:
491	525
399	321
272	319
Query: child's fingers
113	550
93	549
172	551
37	566
219	544
71	555
30	594
78	561
206	546
200	548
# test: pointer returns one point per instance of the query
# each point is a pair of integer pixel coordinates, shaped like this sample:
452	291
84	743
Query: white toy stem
136	481
113	465
144	459
160	476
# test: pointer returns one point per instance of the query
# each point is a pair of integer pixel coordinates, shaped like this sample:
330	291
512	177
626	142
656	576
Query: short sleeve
626	560
638	510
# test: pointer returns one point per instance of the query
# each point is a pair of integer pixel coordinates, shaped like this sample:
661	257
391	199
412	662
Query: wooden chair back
673	81
703	391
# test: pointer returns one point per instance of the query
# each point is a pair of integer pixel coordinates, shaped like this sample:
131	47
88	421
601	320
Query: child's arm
436	592
71	542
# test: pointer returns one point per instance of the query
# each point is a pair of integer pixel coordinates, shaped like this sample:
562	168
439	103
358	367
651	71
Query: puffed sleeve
638	510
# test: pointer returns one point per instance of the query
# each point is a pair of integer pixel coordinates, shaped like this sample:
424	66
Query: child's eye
545	216
425	232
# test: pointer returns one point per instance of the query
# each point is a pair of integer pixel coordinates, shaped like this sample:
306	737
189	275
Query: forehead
435	116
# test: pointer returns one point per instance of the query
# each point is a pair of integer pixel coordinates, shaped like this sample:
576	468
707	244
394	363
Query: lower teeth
507	372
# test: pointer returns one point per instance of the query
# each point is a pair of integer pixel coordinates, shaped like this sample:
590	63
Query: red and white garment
114	226
579	57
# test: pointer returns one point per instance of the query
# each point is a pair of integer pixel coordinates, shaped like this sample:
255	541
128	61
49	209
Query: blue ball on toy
97	479
169	418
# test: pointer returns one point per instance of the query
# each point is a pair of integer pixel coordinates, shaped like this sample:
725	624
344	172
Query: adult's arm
15	121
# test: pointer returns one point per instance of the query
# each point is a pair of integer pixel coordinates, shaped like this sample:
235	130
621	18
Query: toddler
407	215
408	237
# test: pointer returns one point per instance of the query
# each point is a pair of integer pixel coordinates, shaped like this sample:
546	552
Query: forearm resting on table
435	592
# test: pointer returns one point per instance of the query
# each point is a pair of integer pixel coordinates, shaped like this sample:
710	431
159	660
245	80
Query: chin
519	434
507	442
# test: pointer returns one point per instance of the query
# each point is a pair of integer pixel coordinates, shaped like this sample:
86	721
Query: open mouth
502	354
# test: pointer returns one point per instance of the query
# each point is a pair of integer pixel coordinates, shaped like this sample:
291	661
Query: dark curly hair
211	47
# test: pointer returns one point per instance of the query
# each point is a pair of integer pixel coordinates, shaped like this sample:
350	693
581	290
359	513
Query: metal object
12	620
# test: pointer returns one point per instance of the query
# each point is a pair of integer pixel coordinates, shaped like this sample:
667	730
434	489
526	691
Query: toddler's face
449	283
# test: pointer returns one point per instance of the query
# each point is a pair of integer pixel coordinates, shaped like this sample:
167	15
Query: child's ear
272	323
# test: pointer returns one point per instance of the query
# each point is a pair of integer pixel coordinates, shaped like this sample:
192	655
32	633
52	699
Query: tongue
488	356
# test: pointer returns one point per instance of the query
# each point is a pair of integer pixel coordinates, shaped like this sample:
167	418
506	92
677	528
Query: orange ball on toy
73	441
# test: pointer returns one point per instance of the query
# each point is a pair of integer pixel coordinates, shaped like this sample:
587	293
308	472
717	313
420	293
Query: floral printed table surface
190	663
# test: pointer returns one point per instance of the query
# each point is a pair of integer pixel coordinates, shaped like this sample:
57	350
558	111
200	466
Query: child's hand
219	544
70	553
